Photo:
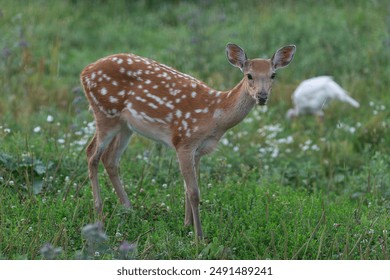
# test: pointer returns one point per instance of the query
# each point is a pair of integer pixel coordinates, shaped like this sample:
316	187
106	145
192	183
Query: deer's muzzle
262	98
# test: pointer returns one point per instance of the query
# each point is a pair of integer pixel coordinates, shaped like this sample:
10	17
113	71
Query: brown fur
131	93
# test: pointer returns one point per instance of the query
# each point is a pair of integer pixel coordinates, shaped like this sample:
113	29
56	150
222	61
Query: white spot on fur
154	106
178	113
140	99
170	105
93	97
103	91
185	124
169	117
156	98
193	94
113	99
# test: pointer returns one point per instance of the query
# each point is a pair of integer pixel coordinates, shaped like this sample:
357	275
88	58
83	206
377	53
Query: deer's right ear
236	55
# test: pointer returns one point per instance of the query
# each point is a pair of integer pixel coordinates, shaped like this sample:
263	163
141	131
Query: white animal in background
312	95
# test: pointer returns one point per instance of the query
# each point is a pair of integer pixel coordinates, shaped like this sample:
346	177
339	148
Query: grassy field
274	189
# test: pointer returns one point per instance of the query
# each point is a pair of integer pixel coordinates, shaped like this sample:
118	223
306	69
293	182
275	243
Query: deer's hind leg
111	158
99	143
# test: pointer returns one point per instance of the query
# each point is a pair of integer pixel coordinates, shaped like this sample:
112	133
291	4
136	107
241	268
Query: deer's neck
236	105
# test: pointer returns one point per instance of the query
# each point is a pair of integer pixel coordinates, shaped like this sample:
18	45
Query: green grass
274	189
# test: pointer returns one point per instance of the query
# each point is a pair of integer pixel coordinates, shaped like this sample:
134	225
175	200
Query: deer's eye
250	77
273	76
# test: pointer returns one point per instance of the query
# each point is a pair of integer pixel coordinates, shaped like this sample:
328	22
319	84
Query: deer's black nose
262	98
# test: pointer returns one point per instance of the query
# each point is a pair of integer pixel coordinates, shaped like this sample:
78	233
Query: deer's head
259	73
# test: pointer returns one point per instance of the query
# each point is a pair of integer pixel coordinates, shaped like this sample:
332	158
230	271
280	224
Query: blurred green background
45	123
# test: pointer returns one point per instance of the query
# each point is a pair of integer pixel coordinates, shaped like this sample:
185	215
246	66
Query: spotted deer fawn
129	93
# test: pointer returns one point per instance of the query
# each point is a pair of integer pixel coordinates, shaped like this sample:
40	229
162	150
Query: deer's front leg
187	168
188	219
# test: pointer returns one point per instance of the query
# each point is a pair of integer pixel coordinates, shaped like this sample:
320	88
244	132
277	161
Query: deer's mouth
262	99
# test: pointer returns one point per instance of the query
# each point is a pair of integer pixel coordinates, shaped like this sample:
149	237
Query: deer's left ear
283	56
236	55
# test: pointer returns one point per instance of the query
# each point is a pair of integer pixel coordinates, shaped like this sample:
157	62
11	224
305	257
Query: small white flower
60	141
305	148
7	130
97	254
11	183
315	147
164	186
275	153
225	142
50	119
37	129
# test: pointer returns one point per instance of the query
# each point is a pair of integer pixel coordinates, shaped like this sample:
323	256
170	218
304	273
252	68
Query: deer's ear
283	56
236	55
